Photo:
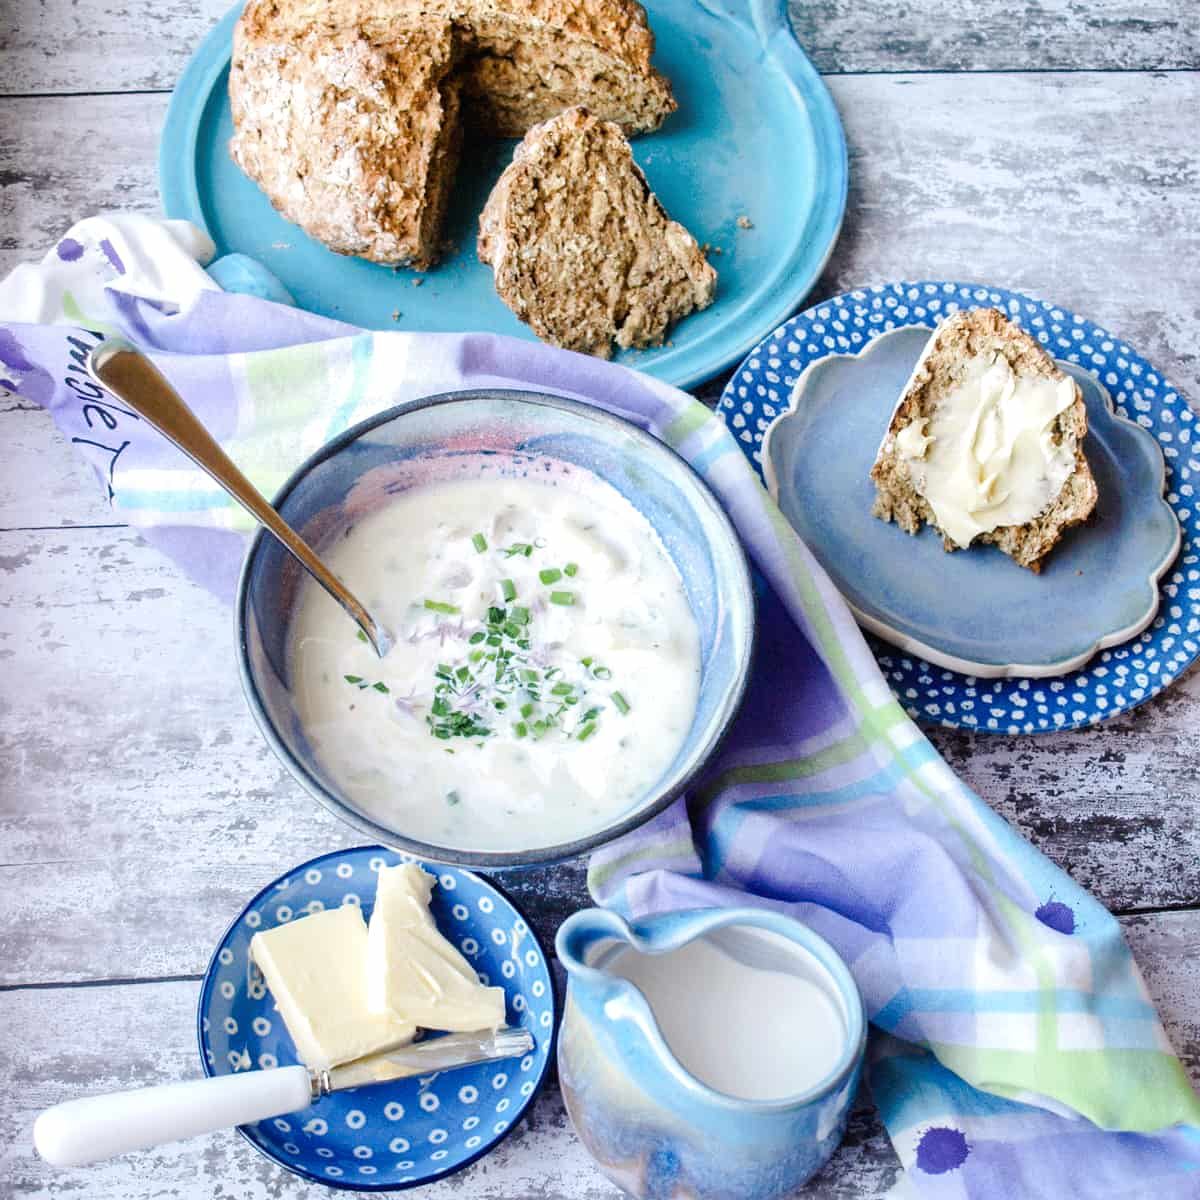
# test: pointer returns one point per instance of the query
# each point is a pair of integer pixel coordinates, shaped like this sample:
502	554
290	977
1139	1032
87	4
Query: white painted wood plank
60	46
105	1038
140	808
1077	188
44	480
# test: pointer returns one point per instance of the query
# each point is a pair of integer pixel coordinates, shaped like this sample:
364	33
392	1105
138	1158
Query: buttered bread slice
986	443
581	249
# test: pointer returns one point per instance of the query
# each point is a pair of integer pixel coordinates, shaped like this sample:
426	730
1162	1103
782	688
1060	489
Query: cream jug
707	1055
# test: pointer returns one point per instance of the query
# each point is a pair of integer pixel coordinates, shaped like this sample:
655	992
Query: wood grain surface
1049	147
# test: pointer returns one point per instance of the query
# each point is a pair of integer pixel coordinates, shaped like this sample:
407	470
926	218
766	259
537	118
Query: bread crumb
396	315
417	282
745	223
718	250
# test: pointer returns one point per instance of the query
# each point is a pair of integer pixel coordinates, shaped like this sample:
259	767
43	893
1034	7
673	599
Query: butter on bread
985	443
580	247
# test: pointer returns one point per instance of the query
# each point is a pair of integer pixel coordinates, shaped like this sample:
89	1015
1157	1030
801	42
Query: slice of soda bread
986	443
580	247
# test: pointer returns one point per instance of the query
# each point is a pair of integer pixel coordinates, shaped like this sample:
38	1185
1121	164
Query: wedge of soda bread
986	443
580	247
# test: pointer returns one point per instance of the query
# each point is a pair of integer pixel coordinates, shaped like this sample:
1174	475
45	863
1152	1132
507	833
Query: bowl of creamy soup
572	616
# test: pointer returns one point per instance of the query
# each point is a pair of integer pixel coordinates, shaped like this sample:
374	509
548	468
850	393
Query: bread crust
963	336
347	113
581	248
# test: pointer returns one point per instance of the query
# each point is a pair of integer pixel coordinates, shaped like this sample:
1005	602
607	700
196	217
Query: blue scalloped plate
953	605
756	136
402	1134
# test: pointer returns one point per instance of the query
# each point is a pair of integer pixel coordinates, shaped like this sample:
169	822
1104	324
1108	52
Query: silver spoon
133	378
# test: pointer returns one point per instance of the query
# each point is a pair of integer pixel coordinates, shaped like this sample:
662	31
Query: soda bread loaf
581	249
347	112
987	429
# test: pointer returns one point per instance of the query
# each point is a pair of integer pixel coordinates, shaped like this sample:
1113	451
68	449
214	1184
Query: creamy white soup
545	672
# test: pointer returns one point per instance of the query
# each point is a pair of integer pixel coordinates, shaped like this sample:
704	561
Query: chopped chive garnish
587	731
476	638
440	606
527	710
518	548
362	637
463	674
475	656
621	703
479	542
570	569
442	670
567	598
495	615
602	673
520	614
561	689
382	687
452	797
352	678
587	662
590	715
550	575
508	589
529	676
520	729
499	705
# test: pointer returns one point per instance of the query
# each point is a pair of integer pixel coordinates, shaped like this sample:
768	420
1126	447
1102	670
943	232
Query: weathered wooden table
1051	147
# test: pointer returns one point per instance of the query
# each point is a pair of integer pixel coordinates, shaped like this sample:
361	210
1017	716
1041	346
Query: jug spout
580	936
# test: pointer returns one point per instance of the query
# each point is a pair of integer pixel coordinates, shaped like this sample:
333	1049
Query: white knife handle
95	1127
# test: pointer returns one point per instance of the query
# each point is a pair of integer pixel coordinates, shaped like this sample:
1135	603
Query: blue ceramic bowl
401	1134
462	435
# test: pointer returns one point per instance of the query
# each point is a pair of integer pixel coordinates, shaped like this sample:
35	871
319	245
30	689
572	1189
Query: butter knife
92	1128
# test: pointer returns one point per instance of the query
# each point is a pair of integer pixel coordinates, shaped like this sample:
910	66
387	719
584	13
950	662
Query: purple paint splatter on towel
113	257
69	250
1057	916
941	1150
36	384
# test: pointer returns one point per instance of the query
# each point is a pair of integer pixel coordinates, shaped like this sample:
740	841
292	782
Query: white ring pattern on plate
397	1135
1117	679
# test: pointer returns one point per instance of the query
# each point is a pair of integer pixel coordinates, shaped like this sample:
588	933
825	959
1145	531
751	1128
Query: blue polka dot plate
975	640
408	1132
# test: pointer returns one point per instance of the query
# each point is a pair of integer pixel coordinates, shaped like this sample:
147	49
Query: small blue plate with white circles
407	1132
976	643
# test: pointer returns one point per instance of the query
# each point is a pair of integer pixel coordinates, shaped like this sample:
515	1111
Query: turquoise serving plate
756	137
969	640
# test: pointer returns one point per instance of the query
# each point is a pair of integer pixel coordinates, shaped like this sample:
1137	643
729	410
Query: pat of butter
985	457
316	968
413	973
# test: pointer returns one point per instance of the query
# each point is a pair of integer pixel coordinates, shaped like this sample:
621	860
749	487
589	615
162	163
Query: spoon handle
133	378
